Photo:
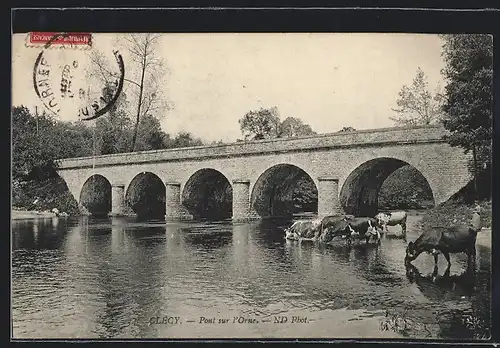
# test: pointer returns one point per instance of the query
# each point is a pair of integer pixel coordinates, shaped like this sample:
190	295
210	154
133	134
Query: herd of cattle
459	238
345	226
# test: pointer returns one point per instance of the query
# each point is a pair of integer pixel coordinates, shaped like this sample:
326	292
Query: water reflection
443	287
107	277
40	233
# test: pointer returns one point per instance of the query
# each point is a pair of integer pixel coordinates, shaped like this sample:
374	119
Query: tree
416	105
29	135
260	124
185	139
347	129
294	127
145	73
149	71
39	140
149	135
469	96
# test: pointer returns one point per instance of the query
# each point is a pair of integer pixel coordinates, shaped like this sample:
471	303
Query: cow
336	228
454	239
303	229
363	227
332	221
393	219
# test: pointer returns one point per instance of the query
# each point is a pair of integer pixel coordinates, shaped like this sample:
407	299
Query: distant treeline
38	140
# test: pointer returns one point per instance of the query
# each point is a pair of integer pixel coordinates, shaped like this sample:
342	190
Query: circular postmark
61	81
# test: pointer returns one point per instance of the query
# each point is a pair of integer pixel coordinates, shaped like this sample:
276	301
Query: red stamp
82	40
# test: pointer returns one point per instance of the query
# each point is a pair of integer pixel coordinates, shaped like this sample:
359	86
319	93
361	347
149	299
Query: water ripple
105	279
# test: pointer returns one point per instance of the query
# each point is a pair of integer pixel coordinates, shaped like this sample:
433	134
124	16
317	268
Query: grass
451	213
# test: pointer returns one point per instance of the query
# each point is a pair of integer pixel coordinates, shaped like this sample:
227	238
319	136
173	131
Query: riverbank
31	214
450	213
484	238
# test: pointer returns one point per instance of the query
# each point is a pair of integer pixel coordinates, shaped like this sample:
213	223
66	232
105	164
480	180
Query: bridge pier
173	210
328	197
241	200
117	200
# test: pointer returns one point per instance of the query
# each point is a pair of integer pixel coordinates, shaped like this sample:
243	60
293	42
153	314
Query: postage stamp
59	40
251	185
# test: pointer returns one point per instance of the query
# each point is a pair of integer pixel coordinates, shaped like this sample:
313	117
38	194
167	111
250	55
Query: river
120	278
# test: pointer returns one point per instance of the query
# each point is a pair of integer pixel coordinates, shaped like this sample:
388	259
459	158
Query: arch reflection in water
40	234
128	279
208	236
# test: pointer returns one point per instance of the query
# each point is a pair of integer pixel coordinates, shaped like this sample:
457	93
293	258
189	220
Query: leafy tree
260	124
294	127
469	96
114	128
185	139
416	105
150	136
347	129
39	140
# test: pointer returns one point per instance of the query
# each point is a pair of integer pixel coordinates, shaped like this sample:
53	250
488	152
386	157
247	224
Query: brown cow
454	239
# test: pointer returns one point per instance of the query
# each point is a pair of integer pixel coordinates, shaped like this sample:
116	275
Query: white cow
393	219
303	230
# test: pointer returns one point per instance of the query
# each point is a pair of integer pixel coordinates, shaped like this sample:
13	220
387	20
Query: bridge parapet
363	138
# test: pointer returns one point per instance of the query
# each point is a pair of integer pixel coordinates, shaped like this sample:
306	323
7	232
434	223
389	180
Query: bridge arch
208	195
360	190
284	190
95	195
145	195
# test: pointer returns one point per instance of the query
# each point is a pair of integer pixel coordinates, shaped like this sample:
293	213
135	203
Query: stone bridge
345	171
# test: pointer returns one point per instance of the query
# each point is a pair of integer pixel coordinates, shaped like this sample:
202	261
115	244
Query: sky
328	80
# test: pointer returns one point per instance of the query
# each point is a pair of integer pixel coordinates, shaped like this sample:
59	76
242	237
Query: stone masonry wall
332	155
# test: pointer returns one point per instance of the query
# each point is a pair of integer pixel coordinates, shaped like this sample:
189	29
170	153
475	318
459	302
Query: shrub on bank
458	209
51	193
452	212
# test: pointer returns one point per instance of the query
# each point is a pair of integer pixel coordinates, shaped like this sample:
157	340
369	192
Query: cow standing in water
393	219
303	230
332	222
364	227
454	239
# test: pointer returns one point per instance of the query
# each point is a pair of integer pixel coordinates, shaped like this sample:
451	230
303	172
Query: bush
450	213
51	193
405	188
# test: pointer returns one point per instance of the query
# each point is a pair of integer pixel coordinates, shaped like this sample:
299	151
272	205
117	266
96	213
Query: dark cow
363	227
337	228
454	239
332	221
